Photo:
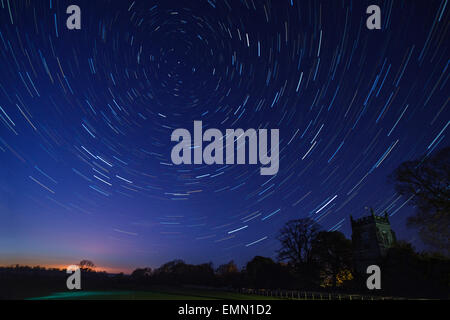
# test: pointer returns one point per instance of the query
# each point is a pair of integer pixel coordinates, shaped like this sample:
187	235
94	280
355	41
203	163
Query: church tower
371	238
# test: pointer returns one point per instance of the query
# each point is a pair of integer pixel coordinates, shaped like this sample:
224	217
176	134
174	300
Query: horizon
129	269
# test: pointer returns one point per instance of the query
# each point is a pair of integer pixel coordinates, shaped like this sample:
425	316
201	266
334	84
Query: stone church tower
371	237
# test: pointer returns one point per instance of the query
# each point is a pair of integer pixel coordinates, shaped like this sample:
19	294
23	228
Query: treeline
260	272
308	259
405	273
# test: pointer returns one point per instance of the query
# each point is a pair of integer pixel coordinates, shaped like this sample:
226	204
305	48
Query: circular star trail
86	118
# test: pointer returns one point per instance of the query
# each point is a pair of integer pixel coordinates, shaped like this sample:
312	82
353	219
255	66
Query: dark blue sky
86	118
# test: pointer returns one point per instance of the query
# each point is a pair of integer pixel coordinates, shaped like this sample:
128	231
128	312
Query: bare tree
87	265
296	238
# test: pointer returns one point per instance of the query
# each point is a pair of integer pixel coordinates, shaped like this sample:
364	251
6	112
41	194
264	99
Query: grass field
157	294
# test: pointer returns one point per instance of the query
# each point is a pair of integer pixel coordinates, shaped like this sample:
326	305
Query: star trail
86	118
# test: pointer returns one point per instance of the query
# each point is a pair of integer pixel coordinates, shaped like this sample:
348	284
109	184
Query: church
371	238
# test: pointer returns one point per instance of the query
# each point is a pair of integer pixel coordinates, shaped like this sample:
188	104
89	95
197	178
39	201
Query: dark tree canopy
178	272
262	272
260	268
227	268
426	183
296	238
332	253
142	273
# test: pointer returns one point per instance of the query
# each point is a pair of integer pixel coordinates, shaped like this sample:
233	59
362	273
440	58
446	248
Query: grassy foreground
157	294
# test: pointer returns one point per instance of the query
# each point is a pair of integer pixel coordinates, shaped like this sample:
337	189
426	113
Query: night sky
86	118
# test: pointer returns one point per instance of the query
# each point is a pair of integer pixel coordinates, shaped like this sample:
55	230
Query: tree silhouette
426	183
332	253
228	274
263	272
87	265
296	238
226	269
142	273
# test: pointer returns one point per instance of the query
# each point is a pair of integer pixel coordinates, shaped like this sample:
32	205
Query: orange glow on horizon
65	266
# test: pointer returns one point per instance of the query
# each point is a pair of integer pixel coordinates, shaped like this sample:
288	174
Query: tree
296	238
170	267
262	272
332	253
228	274
179	272
406	272
86	265
228	268
426	183
142	273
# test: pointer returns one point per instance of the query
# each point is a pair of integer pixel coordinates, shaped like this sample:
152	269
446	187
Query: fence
305	295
